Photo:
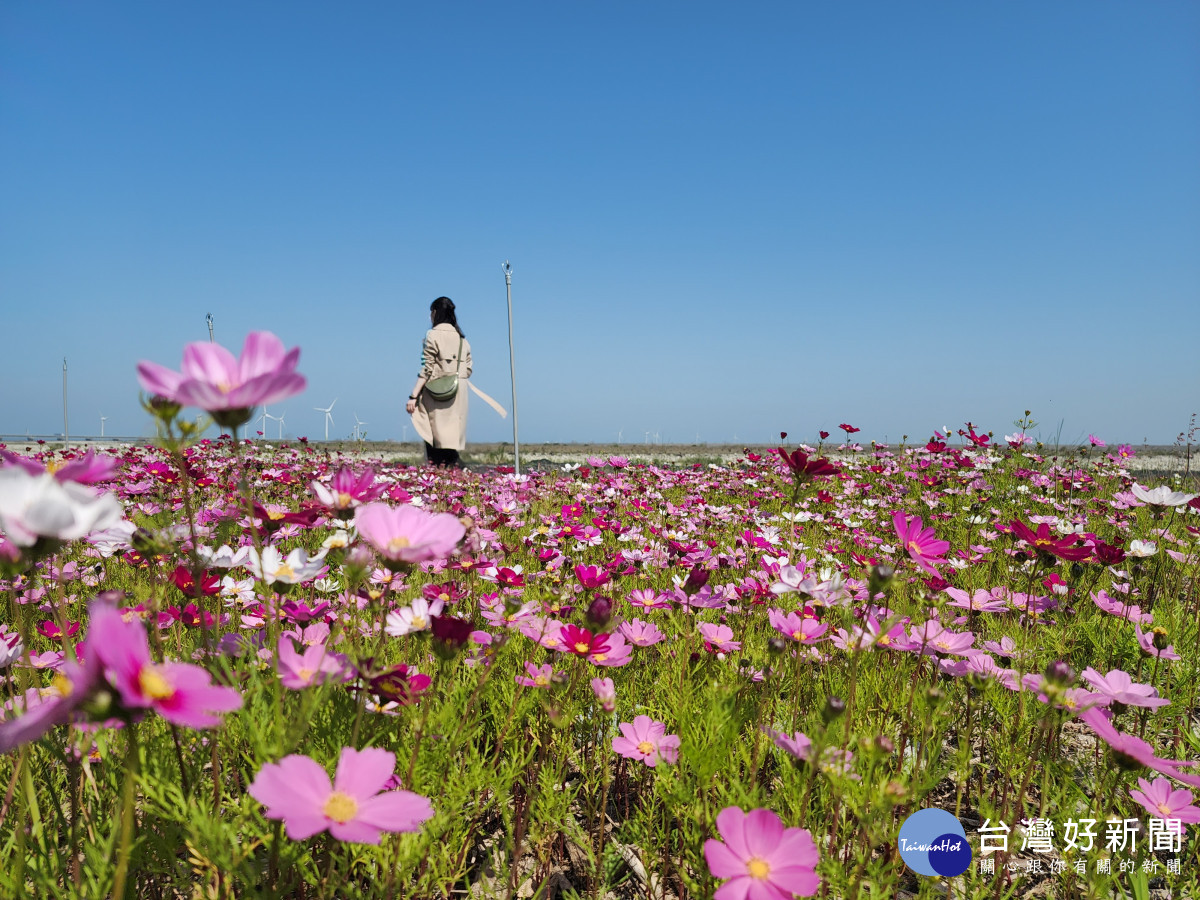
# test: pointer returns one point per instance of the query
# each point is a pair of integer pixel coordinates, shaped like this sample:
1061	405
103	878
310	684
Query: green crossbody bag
445	387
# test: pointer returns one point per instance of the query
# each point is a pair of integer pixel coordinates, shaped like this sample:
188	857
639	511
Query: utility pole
209	320
66	431
512	367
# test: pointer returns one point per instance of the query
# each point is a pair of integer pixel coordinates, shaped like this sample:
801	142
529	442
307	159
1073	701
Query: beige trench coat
443	423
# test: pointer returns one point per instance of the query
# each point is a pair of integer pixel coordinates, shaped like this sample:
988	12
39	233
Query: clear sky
725	220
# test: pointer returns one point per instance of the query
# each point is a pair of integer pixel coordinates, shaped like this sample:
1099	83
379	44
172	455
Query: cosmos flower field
238	669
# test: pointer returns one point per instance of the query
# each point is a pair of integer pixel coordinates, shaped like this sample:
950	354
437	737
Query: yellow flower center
419	623
798	635
59	687
275	515
581	647
341	807
541	681
600	657
398	543
758	868
914	548
285	571
153	684
53	465
344	499
444	597
645	747
305	674
1164	809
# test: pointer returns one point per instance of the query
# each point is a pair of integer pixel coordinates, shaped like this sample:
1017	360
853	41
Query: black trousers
441	457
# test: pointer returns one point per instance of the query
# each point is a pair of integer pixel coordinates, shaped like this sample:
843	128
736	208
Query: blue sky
724	220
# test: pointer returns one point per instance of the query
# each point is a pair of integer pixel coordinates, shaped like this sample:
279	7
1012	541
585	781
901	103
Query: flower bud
835	708
697	578
599	612
776	645
1059	673
880	579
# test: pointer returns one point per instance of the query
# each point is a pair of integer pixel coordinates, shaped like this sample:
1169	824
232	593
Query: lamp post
209	320
66	431
512	367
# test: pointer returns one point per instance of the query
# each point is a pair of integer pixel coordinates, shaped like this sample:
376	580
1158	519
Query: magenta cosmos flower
919	542
215	381
179	692
408	534
761	859
648	741
297	790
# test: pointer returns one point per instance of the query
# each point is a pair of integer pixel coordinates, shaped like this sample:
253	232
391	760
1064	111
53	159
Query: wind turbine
263	419
328	410
280	421
102	418
357	425
273	419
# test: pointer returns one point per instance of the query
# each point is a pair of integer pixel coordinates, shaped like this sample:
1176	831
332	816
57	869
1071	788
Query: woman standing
442	423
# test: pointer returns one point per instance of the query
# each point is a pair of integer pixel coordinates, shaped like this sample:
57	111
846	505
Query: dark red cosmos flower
935	445
396	685
804	468
582	642
1041	540
506	577
450	630
849	429
273	519
209	583
823	434
979	440
752	457
191	616
1107	554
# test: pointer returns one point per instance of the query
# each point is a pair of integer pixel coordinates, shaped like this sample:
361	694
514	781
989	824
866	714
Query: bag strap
458	368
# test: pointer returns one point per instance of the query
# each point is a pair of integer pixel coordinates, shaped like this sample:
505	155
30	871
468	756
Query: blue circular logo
932	842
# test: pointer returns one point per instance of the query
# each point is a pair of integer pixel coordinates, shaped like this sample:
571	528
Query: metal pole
512	367
209	319
66	431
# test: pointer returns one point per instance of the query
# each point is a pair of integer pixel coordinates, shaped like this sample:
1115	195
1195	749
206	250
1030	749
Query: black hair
443	311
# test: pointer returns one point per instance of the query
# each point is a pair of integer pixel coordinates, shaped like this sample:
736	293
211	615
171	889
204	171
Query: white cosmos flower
337	541
1161	496
39	506
413	618
112	541
1142	548
273	567
224	557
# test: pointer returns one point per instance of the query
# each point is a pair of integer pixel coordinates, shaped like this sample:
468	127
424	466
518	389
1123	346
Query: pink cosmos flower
347	490
1118	687
536	676
316	665
1164	801
648	741
605	692
761	859
920	543
1149	641
179	692
592	577
216	382
719	637
408	534
297	790
795	627
86	469
648	598
641	634
1133	749
72	686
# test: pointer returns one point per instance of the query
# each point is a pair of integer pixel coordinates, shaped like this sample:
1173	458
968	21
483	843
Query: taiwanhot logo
932	842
